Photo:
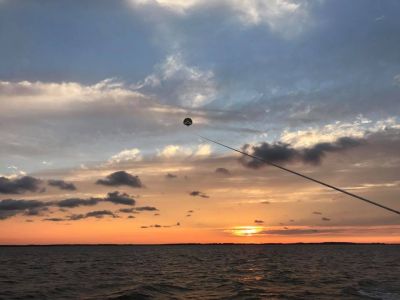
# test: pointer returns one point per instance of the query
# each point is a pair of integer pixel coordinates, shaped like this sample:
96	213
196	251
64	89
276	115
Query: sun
246	230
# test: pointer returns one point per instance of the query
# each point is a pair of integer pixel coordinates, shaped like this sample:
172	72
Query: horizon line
197	244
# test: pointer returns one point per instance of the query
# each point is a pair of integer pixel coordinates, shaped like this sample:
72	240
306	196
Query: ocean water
201	272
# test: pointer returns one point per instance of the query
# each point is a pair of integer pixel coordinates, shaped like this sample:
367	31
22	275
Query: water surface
201	272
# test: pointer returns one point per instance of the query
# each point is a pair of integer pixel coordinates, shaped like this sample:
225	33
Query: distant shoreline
195	244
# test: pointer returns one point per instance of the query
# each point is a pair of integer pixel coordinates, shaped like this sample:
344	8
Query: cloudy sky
93	94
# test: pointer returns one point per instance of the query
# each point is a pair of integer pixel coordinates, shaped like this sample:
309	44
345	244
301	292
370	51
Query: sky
93	94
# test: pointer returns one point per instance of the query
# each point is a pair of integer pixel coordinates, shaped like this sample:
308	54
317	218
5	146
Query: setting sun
246	230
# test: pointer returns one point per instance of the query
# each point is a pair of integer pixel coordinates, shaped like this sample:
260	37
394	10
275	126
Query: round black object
188	121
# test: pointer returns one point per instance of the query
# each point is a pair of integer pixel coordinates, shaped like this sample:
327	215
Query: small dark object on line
188	121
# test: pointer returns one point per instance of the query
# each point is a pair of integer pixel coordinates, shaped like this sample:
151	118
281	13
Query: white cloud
174	80
175	151
179	6
15	172
41	96
287	17
331	132
181	152
126	155
396	80
203	150
284	16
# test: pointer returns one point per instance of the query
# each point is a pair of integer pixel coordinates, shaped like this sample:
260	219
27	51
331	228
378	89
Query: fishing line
304	176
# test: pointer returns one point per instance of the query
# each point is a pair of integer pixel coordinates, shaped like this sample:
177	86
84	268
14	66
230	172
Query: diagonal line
304	176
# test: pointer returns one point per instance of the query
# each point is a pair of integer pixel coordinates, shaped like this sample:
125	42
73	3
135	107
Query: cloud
198	194
316	153
62	185
127	210
203	150
284	153
121	178
222	171
259	221
146	208
171	152
120	198
325	219
286	17
19	185
113	197
11	207
55	219
126	155
170	176
91	115
290	232
160	226
98	214
75	202
35	211
178	83
301	231
317	213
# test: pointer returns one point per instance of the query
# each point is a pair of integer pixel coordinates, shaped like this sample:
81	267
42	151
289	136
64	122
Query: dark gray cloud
161	226
10	204
54	219
92	214
131	217
100	214
298	231
121	178
317	213
315	154
222	171
259	221
19	185
75	202
36	211
11	207
120	198
198	194
284	153
127	210
146	208
113	197
61	184
171	176
325	219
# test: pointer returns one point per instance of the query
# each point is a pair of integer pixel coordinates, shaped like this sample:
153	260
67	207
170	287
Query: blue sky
281	64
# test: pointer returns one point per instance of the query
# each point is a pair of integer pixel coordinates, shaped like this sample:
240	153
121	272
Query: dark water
201	272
